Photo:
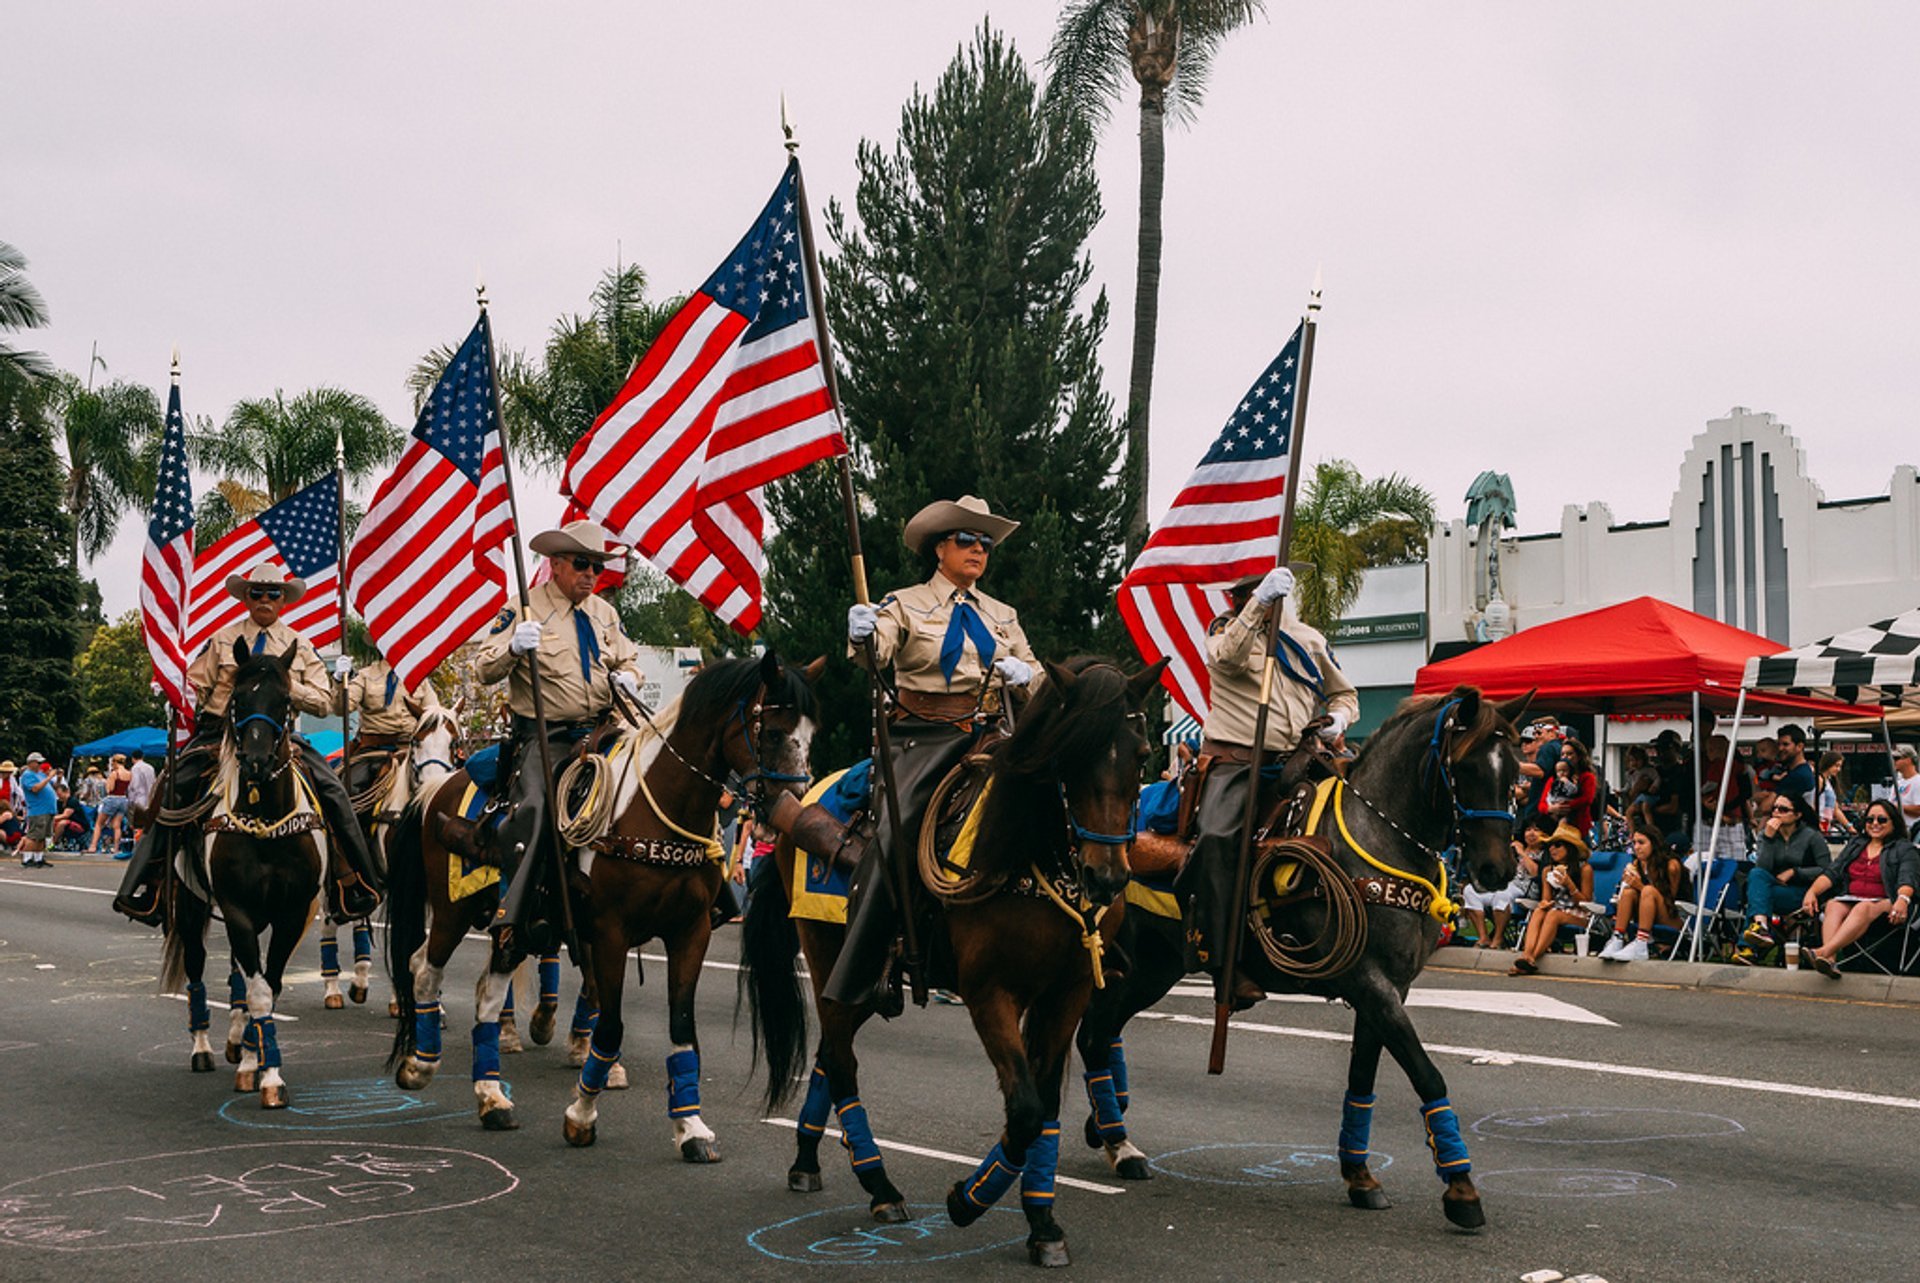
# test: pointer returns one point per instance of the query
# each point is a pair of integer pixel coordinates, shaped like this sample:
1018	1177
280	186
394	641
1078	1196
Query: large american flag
166	569
428	565
1223	525
300	535
732	395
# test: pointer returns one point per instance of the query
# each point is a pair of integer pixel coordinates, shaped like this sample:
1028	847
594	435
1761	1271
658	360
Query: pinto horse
1023	940
1437	773
261	862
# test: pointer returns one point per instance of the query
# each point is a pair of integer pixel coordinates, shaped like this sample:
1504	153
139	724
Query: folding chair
1725	897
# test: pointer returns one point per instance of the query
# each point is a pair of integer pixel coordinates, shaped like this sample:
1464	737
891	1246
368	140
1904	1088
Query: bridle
1078	833
281	742
1436	764
418	764
750	716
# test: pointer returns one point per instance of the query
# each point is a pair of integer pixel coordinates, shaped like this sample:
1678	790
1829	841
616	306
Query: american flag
166	569
732	395
1223	525
428	565
300	535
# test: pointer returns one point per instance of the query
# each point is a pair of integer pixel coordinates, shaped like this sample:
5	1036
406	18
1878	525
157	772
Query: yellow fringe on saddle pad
465	878
819	891
1334	790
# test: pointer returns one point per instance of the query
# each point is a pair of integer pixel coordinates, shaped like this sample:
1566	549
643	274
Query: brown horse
1054	827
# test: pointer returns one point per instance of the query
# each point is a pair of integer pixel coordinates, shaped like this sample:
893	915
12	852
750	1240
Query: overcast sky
1557	238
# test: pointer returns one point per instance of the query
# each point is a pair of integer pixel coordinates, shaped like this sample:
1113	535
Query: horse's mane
1404	736
724	684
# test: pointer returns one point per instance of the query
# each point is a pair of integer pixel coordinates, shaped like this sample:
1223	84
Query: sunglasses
967	539
582	564
1876	819
1785	810
263	594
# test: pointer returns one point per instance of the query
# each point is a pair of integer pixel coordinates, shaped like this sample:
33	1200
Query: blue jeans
1767	898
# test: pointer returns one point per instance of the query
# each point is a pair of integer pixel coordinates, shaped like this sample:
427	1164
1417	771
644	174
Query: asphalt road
1624	1130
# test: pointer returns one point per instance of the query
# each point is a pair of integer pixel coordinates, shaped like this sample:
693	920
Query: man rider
388	717
353	887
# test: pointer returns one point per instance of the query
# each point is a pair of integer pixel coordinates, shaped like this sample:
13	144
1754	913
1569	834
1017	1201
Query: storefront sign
1380	628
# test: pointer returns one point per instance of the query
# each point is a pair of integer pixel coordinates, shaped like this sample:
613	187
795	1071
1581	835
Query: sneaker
1615	943
1632	951
1746	957
1758	935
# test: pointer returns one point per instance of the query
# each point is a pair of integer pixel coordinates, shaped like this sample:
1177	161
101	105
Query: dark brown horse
1049	856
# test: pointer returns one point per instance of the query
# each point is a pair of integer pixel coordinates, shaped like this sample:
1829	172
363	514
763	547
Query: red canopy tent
1641	656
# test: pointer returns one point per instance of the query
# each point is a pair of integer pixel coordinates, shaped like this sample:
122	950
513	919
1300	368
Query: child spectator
1528	849
1833	820
1648	890
1566	880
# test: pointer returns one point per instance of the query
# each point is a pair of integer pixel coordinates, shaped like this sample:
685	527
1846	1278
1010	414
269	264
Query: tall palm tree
1167	47
106	432
21	308
1346	523
269	447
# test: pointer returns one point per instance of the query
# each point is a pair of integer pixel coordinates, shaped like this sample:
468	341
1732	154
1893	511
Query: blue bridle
1083	834
278	729
1436	761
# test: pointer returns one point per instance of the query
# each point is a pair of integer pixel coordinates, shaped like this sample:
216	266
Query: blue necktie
589	645
259	643
965	625
393	684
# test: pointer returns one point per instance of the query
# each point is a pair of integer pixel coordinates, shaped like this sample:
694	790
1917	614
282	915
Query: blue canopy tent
151	740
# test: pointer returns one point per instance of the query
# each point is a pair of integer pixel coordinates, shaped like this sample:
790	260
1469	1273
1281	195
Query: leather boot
139	895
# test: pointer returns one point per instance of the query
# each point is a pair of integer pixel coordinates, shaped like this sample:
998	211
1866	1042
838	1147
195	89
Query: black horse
1438	772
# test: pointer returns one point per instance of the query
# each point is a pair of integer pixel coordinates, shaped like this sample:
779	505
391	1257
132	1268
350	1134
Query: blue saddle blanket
483	768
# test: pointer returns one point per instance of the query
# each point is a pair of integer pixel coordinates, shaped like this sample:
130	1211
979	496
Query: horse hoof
1371	1200
393	1008
617	1077
804	1182
1464	1213
1092	1133
500	1120
358	993
1133	1169
698	1149
1048	1253
334	1002
540	1028
412	1076
233	1053
202	1062
577	1136
274	1097
891	1213
959	1210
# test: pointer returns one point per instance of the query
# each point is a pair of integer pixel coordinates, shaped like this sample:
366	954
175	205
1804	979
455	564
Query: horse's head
771	748
1087	731
433	741
260	711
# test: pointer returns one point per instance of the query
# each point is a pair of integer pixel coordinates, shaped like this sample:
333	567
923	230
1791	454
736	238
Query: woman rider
947	641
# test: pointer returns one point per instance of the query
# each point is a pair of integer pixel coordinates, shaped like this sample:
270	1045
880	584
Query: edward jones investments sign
1411	626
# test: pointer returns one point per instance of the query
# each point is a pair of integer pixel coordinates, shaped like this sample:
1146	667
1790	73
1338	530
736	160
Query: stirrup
149	915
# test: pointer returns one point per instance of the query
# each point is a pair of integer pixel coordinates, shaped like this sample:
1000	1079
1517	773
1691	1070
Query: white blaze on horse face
803	747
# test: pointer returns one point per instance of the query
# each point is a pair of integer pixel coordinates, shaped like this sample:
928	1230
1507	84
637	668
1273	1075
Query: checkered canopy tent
1877	664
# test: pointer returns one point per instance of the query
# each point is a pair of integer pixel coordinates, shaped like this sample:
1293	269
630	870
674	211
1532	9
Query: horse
1437	773
429	759
654	867
1024	937
261	860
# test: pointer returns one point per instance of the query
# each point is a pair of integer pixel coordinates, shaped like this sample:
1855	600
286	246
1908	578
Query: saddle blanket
467	877
819	891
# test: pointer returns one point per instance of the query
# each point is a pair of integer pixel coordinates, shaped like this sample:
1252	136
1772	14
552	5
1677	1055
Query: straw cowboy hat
947	515
267	575
578	539
1571	836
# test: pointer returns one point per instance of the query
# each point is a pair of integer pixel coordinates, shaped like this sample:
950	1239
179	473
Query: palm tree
1346	523
1167	46
270	447
106	432
21	308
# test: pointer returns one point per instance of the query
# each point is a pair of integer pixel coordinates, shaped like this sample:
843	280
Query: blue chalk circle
842	1236
1259	1163
344	1104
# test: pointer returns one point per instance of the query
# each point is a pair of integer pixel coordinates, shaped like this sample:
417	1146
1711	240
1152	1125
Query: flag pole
532	660
897	870
179	631
340	515
1243	864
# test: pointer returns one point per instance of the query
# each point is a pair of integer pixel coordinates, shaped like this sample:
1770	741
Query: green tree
269	447
21	308
39	597
1346	523
106	432
115	678
1166	47
970	365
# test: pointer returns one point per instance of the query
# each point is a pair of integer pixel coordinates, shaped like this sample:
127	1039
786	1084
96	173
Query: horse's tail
173	957
768	979
406	917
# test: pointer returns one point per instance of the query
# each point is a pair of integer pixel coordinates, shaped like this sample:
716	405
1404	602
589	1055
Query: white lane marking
1485	1002
1561	1062
942	1154
226	1006
56	886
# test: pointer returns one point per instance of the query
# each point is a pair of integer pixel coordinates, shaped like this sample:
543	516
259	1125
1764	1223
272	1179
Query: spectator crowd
42	811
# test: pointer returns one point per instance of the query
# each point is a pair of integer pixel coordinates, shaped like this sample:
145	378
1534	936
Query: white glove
629	684
526	636
1014	672
343	667
1332	730
862	619
1277	584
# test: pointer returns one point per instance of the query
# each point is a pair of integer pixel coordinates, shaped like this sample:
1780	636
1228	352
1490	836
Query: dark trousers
1207	878
525	838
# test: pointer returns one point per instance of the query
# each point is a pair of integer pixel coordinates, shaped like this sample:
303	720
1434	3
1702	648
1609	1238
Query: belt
934	706
1241	753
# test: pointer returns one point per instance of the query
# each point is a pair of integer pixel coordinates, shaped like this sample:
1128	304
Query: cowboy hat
266	574
1571	836
946	515
7	766
578	539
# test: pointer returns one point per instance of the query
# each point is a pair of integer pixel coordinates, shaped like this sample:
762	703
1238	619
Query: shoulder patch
501	621
1219	625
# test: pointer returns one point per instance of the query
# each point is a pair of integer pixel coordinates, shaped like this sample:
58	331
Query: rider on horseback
583	654
388	718
1311	682
353	887
946	640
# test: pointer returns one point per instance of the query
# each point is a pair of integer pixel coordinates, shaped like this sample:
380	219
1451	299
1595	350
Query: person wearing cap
389	714
1566	882
42	804
952	649
1310	689
583	655
1908	771
355	880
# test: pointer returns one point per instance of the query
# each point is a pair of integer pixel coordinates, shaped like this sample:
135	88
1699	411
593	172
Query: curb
1805	983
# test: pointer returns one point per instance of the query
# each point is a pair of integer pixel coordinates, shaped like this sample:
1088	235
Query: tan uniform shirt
1234	667
367	695
211	673
569	696
913	625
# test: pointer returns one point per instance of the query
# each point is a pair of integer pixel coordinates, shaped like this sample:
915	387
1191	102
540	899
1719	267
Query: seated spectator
1566	880
1528	849
1570	792
69	821
1648	891
1872	878
1789	855
1641	790
1733	814
1673	814
1833	820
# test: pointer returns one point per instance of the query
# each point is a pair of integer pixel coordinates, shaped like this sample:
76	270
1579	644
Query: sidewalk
1806	982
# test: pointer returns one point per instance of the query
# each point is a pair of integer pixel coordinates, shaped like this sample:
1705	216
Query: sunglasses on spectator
582	564
263	594
1785	808
1876	819
967	539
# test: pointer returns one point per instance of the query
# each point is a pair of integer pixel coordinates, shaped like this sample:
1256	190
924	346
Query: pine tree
39	599
968	366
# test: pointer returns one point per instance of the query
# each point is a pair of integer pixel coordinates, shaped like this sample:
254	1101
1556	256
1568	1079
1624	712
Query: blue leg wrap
856	1136
683	1083
362	942
329	959
426	1033
197	1017
486	1051
1036	1179
506	1008
1117	1062
813	1114
237	989
1107	1119
1443	1138
585	1017
1356	1128
593	1074
250	1040
550	980
269	1045
991	1179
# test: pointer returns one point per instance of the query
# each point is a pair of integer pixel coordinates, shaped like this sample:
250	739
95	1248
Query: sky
1556	238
